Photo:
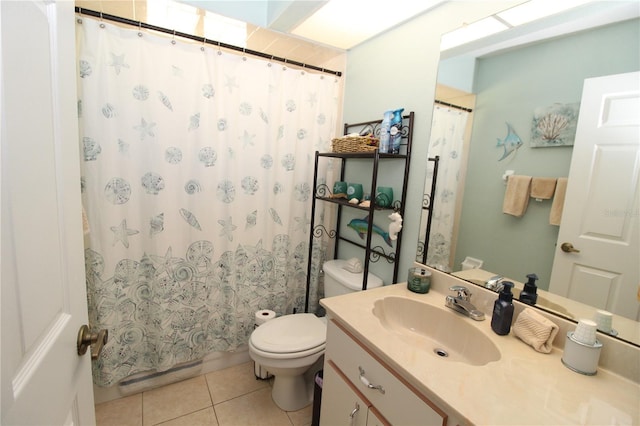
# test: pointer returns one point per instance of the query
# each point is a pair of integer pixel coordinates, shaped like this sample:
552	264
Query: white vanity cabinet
355	375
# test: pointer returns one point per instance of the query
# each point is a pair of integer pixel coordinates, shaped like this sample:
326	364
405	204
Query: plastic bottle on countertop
395	131
503	310
529	294
384	132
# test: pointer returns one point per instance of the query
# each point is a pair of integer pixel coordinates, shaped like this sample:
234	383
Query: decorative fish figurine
511	142
361	226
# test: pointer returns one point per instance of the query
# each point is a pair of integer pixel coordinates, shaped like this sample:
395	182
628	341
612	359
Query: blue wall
398	69
509	87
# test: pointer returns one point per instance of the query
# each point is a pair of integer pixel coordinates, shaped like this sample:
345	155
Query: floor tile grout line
184	415
240	396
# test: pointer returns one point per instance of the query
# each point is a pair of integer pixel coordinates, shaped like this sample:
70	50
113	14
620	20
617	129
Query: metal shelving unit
322	193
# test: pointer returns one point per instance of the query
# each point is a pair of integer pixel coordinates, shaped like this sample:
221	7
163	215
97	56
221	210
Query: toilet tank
339	281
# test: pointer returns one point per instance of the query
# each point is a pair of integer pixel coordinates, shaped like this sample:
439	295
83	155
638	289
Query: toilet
289	346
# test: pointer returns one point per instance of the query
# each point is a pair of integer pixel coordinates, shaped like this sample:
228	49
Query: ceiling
343	24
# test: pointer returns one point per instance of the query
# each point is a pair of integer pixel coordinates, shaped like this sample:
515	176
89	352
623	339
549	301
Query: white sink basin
436	330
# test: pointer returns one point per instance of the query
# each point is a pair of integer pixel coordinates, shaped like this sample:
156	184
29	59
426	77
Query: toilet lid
290	333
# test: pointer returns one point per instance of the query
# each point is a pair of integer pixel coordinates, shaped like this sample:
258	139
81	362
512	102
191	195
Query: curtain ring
284	68
173	41
204	42
219	51
244	58
102	25
139	28
79	18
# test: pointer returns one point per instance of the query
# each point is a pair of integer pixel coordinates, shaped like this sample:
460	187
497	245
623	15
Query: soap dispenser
503	310
529	293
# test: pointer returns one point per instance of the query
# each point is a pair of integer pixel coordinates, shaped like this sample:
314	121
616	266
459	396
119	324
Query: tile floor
229	397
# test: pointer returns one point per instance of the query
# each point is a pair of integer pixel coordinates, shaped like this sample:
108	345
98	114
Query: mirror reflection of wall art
511	142
554	125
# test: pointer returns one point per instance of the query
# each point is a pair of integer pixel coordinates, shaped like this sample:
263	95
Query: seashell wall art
554	125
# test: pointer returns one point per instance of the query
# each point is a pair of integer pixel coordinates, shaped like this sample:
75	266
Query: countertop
523	387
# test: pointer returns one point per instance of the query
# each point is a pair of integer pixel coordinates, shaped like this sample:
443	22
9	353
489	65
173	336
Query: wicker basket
354	144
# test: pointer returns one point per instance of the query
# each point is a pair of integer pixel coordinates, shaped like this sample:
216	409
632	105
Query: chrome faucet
462	303
494	283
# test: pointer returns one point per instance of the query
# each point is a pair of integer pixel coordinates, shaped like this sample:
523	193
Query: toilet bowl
287	347
290	346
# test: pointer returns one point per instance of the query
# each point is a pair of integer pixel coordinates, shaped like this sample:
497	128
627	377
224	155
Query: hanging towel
558	202
535	330
542	188
516	196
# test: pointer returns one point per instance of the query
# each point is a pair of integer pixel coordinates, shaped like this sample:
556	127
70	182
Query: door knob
95	340
568	248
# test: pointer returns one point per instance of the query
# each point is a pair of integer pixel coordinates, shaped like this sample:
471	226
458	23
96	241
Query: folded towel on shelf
542	188
558	202
516	196
535	330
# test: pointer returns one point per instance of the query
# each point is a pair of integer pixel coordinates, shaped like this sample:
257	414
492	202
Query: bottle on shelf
395	131
385	135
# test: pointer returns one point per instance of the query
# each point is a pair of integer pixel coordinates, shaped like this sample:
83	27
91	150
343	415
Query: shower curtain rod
453	105
140	24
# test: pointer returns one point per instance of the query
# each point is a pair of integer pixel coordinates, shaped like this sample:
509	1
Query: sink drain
441	352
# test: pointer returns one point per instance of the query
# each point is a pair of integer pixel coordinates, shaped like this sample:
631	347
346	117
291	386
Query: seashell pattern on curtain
197	167
447	140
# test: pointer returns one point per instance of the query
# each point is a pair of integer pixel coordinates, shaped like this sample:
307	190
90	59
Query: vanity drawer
399	404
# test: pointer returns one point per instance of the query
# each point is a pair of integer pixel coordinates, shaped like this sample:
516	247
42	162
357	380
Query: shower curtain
447	140
197	167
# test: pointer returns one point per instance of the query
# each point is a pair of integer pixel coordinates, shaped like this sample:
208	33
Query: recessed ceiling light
536	9
226	30
346	23
483	28
170	14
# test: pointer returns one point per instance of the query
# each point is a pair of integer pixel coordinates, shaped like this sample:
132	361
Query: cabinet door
374	418
341	404
400	404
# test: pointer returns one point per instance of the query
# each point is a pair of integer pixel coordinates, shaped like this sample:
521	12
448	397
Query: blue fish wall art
511	142
362	225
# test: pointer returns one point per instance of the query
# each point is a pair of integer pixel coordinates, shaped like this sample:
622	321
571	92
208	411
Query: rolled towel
535	330
558	202
542	188
516	196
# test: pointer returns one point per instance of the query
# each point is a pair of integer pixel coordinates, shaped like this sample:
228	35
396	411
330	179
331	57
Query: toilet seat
299	334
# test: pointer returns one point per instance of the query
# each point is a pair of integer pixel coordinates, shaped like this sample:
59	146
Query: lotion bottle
503	310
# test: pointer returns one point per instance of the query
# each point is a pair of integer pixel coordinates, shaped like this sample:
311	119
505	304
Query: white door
43	380
600	216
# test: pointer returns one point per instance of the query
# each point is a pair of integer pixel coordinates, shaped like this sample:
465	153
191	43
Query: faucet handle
463	292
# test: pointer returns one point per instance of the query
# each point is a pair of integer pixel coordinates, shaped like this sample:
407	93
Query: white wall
398	69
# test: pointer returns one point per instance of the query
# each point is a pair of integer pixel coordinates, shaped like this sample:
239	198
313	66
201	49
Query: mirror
512	74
